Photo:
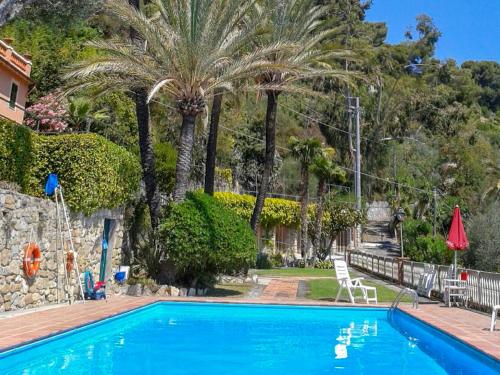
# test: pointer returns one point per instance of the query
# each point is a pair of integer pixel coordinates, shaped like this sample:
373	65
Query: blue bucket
120	276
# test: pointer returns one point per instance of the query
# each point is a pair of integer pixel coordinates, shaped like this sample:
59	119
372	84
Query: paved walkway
468	326
281	288
27	327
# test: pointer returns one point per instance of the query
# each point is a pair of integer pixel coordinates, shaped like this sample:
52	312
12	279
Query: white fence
483	291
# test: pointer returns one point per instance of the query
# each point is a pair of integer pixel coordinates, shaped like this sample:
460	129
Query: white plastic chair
426	281
454	288
496	308
345	281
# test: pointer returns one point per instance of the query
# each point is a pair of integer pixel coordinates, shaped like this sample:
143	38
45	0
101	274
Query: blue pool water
192	338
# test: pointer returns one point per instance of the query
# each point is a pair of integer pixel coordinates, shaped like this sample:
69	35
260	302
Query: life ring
70	260
31	261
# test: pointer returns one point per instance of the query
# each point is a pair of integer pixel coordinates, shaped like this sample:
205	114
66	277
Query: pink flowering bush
47	115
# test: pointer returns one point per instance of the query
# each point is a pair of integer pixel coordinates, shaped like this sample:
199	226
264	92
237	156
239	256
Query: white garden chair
454	289
426	281
495	308
345	282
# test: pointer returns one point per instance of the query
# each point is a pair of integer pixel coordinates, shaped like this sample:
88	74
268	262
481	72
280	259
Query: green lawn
327	290
311	272
229	290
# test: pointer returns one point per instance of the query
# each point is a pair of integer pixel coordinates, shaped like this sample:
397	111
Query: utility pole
394	174
358	155
434	211
357	167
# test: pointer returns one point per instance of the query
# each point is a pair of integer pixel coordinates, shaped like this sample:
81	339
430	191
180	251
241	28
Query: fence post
412	276
401	271
479	289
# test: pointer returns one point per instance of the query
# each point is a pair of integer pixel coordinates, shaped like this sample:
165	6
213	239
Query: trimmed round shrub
203	239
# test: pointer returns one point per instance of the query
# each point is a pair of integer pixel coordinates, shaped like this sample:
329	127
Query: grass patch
229	290
327	290
292	272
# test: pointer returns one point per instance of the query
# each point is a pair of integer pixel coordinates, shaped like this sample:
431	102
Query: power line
387	180
370	140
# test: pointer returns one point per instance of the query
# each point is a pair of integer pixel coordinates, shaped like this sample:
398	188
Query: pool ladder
399	297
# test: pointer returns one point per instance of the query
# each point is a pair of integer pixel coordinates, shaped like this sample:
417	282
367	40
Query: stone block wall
23	218
379	211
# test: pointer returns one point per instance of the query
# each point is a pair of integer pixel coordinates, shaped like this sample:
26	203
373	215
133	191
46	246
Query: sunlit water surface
190	338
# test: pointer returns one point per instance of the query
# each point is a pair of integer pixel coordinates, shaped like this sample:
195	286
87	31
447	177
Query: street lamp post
400	217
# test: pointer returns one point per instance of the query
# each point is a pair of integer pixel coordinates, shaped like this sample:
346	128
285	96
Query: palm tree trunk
272	106
212	143
147	155
304	182
318	222
184	157
146	142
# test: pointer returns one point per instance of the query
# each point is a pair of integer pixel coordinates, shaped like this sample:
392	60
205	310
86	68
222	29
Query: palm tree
212	142
326	172
81	114
305	151
148	162
294	22
190	50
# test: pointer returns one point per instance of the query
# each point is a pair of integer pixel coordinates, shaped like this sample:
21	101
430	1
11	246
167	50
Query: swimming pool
195	338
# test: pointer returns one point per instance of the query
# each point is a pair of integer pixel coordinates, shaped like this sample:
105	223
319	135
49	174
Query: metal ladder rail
400	295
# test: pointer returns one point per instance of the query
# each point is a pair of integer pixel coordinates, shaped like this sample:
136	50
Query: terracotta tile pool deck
20	329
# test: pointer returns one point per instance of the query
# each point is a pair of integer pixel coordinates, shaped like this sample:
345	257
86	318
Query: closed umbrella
457	239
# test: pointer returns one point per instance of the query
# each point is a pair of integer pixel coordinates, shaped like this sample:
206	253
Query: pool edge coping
452	335
38	340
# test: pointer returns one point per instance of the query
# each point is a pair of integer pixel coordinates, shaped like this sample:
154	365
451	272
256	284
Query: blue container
120	277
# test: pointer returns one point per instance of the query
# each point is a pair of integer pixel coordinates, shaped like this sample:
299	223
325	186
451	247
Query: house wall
6	78
13	68
23	217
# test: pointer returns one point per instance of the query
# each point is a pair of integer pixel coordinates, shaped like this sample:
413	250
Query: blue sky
470	28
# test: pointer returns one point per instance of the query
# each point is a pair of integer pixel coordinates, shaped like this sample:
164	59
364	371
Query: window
13	95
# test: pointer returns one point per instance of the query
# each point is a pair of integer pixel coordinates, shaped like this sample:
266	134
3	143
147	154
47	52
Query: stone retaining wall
23	218
379	211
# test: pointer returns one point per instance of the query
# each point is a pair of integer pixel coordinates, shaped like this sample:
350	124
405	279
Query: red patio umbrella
457	239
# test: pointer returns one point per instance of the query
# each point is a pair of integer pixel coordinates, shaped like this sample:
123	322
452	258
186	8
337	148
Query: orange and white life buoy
70	260
31	261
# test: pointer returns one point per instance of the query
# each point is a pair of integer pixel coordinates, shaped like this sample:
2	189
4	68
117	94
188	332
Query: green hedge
421	246
93	172
276	211
202	239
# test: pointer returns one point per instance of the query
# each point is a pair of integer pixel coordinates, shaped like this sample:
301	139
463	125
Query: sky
470	28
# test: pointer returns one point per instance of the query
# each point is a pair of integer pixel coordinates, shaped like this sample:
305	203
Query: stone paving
466	325
281	288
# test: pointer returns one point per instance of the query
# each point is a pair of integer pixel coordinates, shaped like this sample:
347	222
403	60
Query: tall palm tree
212	142
148	163
191	50
326	172
251	17
295	22
305	151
